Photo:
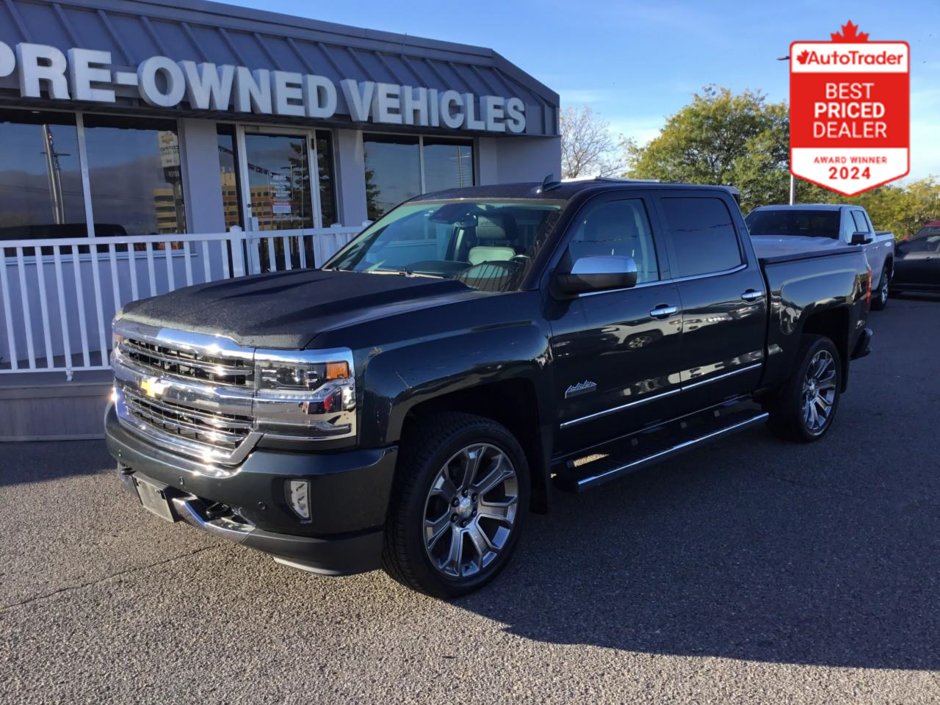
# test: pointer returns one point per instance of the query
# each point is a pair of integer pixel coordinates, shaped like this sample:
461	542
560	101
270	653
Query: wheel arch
510	402
833	323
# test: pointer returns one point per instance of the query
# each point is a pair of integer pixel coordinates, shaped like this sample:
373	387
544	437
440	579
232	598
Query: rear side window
703	235
861	224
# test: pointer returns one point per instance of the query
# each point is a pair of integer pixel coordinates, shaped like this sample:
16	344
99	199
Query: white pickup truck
830	225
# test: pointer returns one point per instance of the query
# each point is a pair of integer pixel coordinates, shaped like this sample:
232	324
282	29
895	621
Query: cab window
703	235
619	228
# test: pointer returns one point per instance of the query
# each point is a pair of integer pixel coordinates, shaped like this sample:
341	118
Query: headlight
310	393
301	377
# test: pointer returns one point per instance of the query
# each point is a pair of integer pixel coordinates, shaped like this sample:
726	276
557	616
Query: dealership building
194	141
149	116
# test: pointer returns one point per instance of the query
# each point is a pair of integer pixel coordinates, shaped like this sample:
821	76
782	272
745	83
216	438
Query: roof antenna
548	183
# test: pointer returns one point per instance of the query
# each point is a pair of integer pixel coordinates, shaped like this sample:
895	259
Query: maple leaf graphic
803	56
849	33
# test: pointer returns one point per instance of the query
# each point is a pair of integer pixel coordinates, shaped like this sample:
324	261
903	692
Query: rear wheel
879	297
460	499
805	407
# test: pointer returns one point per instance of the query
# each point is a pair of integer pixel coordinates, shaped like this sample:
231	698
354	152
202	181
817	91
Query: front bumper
349	494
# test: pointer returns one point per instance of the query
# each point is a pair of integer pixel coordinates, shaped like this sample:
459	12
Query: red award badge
850	111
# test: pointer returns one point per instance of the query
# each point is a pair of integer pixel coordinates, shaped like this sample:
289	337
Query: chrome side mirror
597	273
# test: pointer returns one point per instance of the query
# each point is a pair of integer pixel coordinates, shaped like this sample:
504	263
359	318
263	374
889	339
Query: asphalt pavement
751	571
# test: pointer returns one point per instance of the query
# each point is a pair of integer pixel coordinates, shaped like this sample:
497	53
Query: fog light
298	495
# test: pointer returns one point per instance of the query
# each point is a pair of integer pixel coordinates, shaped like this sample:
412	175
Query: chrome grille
163	360
214	429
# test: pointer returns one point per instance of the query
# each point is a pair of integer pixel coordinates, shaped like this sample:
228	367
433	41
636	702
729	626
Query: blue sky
635	63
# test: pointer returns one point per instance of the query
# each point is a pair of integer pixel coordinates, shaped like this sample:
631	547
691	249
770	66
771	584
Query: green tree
722	138
743	141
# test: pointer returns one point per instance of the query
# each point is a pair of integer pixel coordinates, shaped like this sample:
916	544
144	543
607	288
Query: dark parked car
917	261
406	405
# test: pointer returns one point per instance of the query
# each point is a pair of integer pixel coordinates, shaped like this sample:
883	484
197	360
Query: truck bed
790	248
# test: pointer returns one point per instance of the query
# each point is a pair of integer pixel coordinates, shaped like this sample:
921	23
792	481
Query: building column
487	161
350	177
199	157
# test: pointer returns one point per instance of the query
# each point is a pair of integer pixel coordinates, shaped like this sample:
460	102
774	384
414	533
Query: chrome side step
614	464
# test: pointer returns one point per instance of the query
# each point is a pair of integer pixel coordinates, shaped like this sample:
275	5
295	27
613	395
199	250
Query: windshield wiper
403	272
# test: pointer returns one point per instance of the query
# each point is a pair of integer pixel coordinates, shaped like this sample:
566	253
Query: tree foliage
588	147
722	138
742	140
900	209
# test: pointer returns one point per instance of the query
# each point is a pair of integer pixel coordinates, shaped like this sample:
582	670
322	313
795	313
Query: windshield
486	244
810	223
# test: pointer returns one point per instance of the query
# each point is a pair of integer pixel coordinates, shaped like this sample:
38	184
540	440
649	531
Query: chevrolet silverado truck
829	226
407	404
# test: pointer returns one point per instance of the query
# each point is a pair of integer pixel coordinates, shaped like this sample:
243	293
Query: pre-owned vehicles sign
850	111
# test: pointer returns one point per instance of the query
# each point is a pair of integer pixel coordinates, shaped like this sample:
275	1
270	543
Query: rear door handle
752	295
664	311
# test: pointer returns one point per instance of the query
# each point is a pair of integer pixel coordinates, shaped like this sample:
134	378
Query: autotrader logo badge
850	111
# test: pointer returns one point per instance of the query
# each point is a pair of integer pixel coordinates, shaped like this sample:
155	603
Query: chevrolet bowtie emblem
153	387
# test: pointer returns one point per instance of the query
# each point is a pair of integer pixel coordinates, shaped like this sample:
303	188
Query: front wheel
460	498
805	406
879	297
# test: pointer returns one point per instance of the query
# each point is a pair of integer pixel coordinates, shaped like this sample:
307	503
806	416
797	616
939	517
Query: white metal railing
58	296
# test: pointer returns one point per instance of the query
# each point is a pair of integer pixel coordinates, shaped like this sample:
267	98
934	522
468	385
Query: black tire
879	297
790	416
435	447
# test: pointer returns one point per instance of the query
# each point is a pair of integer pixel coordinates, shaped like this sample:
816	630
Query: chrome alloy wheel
883	289
470	510
819	391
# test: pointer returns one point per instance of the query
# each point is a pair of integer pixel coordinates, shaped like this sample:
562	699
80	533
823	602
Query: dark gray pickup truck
407	405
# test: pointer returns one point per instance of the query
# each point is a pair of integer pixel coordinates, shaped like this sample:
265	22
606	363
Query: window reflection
447	164
228	165
40	177
393	172
327	188
279	181
393	168
134	170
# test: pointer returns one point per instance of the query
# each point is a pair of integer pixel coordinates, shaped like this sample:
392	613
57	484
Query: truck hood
288	309
777	245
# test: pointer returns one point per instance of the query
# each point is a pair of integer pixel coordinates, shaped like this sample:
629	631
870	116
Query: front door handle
664	311
752	295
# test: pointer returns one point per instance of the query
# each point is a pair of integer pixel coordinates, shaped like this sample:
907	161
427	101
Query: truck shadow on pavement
753	549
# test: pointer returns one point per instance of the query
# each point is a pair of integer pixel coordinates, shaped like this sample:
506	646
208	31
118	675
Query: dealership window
278	175
41	193
135	176
447	164
325	164
230	180
400	167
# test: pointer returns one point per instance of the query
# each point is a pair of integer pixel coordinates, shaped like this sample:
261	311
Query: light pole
792	180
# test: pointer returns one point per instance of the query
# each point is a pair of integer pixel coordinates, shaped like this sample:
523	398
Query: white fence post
237	248
41	311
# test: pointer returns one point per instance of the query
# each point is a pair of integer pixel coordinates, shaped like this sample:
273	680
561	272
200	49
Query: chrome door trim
677	280
614	410
655	397
722	376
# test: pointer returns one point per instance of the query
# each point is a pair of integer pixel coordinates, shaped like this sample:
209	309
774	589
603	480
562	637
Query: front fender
399	378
